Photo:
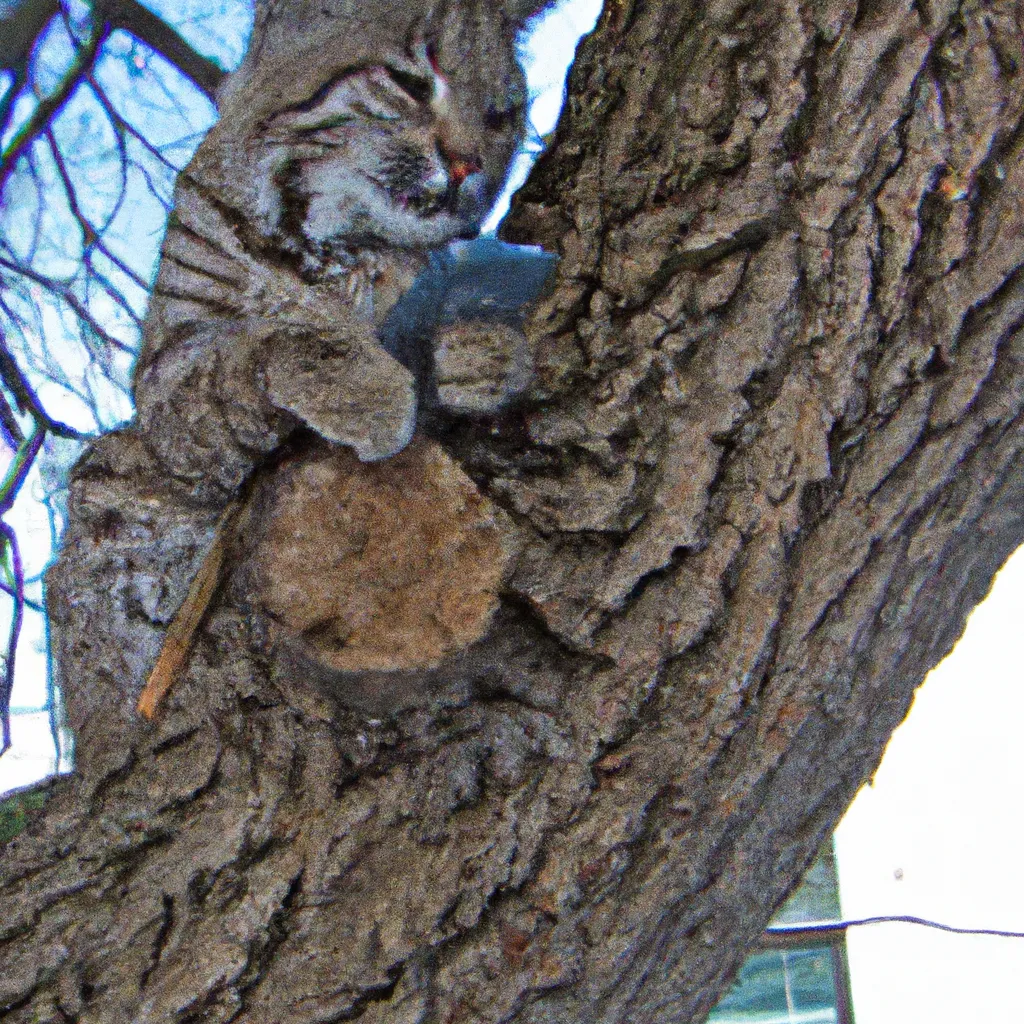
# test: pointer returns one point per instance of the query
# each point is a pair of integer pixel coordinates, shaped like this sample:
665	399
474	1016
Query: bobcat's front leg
350	392
218	398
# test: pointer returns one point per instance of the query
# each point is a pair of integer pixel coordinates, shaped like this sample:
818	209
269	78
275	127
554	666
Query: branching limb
9	489
63	292
158	35
27	399
51	105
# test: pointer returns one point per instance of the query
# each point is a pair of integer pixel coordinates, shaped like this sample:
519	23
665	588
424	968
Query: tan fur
389	566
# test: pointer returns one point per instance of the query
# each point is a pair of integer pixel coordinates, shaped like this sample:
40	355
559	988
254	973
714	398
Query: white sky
939	835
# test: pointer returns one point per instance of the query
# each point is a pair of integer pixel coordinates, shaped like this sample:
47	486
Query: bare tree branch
27	399
64	293
9	489
51	105
157	34
13	435
828	932
7	681
7	101
125	127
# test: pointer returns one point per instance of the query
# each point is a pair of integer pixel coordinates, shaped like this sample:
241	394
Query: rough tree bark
774	459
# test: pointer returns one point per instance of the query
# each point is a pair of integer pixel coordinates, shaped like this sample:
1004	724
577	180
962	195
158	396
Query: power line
832	930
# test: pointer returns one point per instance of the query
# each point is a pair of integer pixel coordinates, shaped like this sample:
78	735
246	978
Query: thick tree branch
20	29
158	35
775	455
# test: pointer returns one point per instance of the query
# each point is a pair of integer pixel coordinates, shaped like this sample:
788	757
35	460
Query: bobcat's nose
461	167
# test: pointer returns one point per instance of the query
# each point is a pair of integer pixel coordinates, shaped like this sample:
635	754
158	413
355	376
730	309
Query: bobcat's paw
480	365
353	394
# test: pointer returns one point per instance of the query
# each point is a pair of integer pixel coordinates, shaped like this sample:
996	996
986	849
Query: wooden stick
182	630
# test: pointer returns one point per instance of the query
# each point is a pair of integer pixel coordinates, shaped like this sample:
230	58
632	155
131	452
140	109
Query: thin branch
51	105
112	289
27	399
31	158
133	275
19	469
158	35
12	483
89	233
63	292
122	150
92	236
9	426
36	606
119	122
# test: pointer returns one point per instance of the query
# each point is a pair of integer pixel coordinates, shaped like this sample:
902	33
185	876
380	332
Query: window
796	977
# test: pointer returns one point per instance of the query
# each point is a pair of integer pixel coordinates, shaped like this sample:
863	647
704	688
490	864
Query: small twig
92	236
121	124
19	469
182	630
37	218
51	105
36	606
110	288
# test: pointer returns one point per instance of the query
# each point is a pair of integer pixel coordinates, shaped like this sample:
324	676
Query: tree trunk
774	459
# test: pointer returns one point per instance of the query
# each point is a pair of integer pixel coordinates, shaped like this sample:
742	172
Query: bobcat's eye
498	120
419	89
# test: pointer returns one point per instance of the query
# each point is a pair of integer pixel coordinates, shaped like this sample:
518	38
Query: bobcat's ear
519	12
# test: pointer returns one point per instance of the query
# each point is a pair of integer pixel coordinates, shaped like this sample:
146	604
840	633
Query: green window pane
817	896
793	986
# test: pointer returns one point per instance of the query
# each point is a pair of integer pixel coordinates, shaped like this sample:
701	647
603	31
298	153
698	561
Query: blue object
482	279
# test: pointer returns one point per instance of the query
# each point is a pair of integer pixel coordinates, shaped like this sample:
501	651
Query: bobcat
354	139
340	159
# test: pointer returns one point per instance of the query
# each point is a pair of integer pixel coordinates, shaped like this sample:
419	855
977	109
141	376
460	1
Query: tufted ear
521	11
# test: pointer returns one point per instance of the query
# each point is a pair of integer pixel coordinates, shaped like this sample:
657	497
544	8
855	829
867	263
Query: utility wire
836	929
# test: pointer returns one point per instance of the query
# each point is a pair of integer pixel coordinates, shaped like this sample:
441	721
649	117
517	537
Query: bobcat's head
375	139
